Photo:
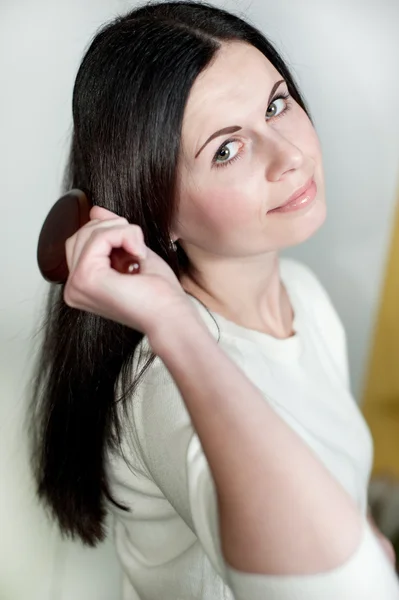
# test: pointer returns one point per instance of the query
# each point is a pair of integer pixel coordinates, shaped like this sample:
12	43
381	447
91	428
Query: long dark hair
128	103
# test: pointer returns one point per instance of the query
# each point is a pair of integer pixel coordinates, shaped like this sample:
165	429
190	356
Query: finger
388	547
76	241
69	247
97	249
84	233
135	244
98	212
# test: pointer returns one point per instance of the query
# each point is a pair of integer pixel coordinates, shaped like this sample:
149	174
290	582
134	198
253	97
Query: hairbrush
65	218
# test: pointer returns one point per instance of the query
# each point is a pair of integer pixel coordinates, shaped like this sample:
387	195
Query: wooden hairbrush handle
65	218
123	262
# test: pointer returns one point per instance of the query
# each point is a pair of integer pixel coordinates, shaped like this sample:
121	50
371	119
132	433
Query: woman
207	397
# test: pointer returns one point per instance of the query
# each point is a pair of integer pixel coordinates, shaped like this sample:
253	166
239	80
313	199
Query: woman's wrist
180	327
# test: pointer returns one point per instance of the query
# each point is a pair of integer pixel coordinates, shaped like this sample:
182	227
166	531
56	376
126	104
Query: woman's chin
314	219
297	228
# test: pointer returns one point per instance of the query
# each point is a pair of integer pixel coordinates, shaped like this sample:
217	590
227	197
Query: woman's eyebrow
231	129
234	128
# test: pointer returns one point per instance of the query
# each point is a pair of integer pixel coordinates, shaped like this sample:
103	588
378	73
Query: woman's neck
249	293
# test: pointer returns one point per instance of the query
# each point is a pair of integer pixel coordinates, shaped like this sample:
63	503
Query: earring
172	245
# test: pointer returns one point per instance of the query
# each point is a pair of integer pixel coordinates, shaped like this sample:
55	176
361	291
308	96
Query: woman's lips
300	201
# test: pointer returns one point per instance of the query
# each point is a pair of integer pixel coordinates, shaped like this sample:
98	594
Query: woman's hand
385	543
140	301
388	548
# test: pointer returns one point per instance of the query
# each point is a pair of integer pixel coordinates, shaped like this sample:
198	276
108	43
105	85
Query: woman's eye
276	107
226	152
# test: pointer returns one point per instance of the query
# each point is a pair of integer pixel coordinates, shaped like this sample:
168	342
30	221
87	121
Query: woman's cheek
226	209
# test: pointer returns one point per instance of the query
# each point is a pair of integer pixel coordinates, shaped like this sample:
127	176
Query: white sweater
169	544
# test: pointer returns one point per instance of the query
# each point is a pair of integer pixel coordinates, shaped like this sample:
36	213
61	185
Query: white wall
41	44
345	56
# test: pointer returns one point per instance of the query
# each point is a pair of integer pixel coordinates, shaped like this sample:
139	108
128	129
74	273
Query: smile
299	202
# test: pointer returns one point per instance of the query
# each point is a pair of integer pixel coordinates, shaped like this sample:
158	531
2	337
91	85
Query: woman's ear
173	235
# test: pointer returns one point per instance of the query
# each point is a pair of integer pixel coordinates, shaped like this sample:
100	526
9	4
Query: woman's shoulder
301	280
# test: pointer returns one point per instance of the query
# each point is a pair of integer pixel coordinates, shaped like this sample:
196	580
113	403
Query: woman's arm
280	511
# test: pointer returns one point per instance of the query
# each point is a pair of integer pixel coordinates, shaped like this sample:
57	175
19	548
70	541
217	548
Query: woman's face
230	181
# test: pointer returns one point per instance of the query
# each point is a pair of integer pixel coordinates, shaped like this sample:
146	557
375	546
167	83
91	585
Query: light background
345	56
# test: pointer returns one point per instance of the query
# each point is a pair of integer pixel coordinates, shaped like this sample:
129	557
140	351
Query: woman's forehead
238	80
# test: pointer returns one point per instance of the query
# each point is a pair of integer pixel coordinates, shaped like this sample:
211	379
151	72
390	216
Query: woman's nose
282	156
